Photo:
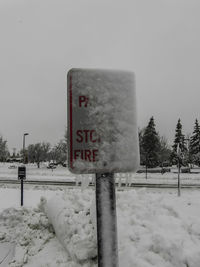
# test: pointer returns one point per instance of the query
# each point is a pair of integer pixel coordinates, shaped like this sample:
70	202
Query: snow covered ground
62	174
154	228
33	173
57	227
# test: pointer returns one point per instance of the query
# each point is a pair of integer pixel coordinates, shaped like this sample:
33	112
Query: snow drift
72	222
154	229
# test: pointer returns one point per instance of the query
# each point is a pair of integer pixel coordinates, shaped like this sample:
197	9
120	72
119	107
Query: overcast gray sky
41	40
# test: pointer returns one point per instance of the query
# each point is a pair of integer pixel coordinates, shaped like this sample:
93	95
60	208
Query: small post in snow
179	167
22	177
106	220
179	180
146	166
22	192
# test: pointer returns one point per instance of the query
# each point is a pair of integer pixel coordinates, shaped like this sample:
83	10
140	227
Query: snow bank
154	229
70	217
158	230
28	229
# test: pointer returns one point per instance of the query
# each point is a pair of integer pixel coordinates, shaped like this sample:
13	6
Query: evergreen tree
179	140
195	139
151	145
194	150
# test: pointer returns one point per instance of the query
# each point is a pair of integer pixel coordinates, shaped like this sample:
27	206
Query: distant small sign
102	121
22	172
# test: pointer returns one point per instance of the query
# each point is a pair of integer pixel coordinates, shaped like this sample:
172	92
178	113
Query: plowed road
72	183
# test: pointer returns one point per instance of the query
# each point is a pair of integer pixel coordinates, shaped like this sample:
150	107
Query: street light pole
188	151
146	165
179	168
22	171
24	146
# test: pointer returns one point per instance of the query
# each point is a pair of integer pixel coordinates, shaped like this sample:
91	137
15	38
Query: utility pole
179	168
25	134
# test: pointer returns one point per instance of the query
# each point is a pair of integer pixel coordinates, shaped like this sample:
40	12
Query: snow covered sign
102	125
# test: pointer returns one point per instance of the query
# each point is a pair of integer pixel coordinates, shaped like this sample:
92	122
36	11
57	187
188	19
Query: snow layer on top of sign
111	113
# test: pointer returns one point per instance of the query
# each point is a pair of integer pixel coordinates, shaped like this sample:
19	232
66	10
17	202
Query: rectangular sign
102	124
22	172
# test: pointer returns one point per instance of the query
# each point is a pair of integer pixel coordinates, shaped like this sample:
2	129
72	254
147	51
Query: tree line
154	149
36	153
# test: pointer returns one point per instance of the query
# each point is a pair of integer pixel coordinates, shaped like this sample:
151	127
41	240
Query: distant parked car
166	164
12	167
185	170
51	166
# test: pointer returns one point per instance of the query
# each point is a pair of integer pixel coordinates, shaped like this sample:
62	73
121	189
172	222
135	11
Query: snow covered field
33	173
57	227
154	228
62	174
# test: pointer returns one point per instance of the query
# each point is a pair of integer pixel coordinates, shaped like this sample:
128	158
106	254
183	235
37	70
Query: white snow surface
73	225
155	228
63	174
57	226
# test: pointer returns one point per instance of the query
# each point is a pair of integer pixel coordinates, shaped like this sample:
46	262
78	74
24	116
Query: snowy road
62	175
124	186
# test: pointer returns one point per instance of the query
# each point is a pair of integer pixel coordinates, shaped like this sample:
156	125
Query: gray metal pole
22	192
146	166
106	220
24	148
179	182
146	172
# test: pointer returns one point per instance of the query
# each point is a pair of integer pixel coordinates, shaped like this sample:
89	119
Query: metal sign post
179	180
179	168
22	192
103	139
22	177
106	220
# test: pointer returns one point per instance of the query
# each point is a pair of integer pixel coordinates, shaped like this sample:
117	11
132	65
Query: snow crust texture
103	121
71	219
28	229
158	230
154	229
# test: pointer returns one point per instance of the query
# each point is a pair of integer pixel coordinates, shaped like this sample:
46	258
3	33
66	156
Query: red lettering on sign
79	136
87	154
83	101
76	154
95	154
87	136
92	133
